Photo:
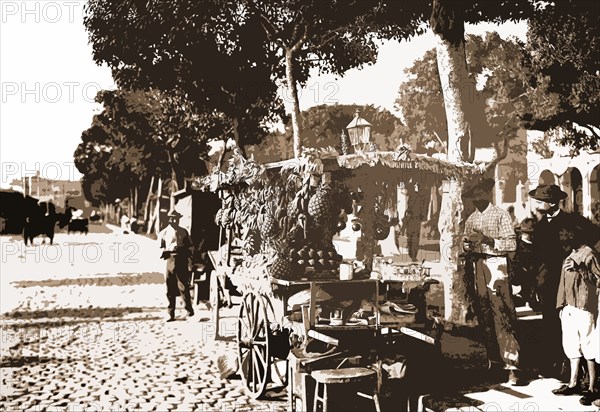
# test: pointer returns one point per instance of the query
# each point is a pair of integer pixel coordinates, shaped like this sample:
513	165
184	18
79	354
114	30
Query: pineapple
267	225
227	218
219	217
281	268
251	244
319	205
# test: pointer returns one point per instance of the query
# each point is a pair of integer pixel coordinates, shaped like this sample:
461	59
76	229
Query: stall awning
248	171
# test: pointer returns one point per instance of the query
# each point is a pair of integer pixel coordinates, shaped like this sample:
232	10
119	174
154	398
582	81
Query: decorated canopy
397	163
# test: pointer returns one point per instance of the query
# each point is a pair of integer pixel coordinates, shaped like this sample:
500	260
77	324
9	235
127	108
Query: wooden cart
264	314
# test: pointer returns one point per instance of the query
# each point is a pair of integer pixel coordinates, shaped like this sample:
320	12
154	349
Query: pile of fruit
318	259
292	217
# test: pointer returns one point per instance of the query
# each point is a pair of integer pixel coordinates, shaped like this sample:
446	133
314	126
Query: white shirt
552	216
170	238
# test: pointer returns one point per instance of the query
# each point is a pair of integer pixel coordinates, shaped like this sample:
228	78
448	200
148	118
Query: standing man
489	237
177	250
554	234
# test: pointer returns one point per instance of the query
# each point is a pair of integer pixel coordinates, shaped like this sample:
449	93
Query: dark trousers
551	345
178	283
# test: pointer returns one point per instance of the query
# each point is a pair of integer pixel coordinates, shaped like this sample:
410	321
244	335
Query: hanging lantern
359	131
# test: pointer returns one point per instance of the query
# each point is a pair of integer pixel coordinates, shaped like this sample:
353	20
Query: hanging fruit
319	206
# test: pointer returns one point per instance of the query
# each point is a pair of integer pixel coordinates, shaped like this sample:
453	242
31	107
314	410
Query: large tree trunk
457	298
447	22
293	91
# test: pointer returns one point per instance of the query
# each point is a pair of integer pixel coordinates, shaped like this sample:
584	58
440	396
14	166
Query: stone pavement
82	328
132	362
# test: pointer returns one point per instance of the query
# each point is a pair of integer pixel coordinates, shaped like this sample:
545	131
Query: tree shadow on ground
79	313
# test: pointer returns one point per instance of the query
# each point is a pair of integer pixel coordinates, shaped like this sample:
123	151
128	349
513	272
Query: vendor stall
303	300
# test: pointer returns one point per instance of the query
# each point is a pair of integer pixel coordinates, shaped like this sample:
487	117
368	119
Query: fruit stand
303	300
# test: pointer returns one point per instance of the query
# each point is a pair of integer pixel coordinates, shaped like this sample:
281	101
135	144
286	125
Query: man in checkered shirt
489	237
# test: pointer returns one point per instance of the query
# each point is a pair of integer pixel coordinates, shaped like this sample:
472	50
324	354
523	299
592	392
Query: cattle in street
78	225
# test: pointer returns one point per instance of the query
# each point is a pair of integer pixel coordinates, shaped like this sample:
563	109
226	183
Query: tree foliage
140	134
323	126
332	36
210	52
498	65
564	39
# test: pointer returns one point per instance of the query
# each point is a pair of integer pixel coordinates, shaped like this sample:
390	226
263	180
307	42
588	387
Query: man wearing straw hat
554	235
489	238
177	249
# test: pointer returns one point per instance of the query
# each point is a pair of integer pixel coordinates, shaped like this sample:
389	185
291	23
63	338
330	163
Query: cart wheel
253	344
279	345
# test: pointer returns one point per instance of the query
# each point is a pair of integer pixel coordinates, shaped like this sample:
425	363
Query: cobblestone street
92	336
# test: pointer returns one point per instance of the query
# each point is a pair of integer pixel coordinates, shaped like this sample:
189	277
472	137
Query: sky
49	80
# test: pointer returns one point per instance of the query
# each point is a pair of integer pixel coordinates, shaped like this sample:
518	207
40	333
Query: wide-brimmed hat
485	185
526	225
548	193
174	213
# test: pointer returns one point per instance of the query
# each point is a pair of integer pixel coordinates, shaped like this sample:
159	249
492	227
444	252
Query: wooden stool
347	375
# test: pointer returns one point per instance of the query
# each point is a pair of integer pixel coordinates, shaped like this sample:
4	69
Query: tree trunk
147	205
457	298
447	23
157	210
293	90
135	204
130	206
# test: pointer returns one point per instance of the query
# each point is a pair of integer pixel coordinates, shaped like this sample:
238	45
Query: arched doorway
547	178
572	183
595	194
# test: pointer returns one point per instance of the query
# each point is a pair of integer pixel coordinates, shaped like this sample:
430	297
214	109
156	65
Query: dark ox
40	219
78	225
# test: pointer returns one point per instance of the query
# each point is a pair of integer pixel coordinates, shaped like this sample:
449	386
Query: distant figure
513	218
125	224
177	250
416	212
134	225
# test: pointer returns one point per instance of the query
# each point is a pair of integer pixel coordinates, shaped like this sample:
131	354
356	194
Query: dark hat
548	193
526	225
484	185
174	213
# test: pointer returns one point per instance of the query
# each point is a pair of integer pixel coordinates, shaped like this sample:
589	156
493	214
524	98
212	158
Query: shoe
589	397
190	313
565	390
514	379
171	320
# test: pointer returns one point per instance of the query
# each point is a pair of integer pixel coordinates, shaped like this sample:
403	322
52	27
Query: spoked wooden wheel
253	344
